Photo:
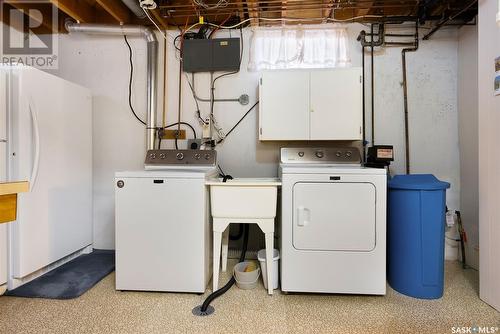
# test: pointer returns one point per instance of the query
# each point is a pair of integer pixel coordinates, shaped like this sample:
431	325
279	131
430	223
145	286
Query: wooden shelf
12	188
8	199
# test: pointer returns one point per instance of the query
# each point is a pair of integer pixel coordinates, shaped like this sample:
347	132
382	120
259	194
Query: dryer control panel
323	155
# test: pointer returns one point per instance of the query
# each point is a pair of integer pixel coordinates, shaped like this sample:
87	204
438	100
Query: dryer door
334	216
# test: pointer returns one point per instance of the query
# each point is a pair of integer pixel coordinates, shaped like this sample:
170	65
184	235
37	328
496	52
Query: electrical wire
289	19
182	123
198	112
219	131
219	4
217	28
131	76
238	123
146	11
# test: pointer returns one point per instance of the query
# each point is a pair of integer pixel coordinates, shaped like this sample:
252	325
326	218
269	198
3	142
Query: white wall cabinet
320	104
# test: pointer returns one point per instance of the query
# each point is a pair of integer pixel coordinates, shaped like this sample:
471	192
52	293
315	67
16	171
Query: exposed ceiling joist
79	10
116	9
252	8
159	18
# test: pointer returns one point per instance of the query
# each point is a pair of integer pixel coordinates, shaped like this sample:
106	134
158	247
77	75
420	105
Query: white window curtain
321	46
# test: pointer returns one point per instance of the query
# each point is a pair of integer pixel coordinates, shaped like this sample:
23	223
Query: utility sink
244	197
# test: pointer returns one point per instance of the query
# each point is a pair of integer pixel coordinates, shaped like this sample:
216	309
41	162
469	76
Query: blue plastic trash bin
415	235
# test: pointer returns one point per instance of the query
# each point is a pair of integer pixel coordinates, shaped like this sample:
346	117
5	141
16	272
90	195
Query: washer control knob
152	155
320	154
301	154
197	156
338	154
162	156
207	156
179	156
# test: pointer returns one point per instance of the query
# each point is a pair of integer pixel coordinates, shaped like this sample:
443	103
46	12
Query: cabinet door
336	104
284	105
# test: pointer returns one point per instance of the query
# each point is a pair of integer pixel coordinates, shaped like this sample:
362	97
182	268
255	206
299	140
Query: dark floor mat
70	280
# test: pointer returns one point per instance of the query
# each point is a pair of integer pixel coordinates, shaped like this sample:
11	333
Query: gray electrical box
211	55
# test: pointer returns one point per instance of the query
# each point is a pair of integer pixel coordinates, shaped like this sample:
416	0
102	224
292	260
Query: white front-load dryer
333	229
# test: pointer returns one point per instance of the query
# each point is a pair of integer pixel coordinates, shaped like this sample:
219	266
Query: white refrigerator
46	139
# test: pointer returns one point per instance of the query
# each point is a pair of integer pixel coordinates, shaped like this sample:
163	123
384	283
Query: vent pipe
134	7
152	63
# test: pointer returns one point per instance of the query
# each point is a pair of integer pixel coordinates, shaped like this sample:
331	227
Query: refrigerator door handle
36	134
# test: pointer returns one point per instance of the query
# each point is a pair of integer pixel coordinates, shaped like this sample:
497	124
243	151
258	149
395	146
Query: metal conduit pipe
134	7
152	63
364	102
380	37
372	69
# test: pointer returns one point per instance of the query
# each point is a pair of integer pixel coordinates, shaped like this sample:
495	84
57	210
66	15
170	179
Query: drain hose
229	284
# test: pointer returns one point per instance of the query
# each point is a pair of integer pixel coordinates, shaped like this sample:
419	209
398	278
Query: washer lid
417	182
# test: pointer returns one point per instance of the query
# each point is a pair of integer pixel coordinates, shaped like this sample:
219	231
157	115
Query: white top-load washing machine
163	223
333	222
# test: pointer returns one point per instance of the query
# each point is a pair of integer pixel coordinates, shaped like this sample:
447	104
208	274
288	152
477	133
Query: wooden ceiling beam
252	9
365	11
327	12
79	10
116	9
159	18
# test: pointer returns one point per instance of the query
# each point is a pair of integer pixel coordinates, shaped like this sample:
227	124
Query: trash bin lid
417	182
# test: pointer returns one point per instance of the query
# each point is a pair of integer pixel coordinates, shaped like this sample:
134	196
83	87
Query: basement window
288	47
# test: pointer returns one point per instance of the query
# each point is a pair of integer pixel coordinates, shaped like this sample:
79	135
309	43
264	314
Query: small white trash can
261	256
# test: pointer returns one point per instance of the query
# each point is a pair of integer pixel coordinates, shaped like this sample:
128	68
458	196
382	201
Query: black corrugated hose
231	282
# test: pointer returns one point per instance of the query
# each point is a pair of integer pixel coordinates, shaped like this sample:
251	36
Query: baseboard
17	282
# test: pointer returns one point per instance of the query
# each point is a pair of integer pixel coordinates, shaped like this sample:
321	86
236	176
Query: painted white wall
489	155
468	137
101	63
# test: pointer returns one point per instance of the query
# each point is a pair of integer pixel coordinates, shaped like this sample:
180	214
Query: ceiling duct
133	5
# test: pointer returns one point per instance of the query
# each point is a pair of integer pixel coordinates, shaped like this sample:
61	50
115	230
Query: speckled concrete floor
104	310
